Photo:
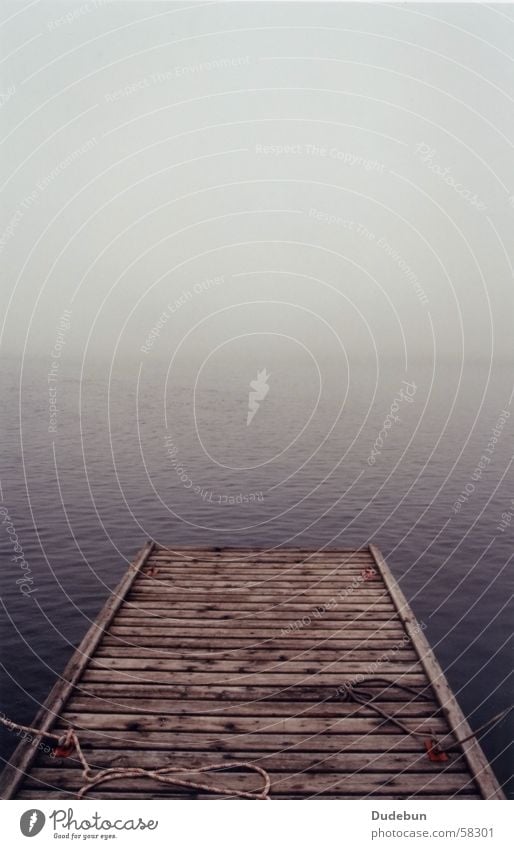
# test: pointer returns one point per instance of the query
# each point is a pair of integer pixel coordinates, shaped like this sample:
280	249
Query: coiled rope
167	775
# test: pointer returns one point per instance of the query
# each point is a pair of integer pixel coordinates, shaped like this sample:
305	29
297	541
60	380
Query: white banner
245	825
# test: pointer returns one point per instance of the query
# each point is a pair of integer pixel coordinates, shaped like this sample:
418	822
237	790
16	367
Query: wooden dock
204	656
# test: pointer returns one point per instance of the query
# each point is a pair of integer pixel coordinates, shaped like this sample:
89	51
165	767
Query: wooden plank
169	796
380	642
263	593
184	592
253	602
288	619
348	639
207	552
298	600
250	568
351	576
180	741
250	679
187	592
331	607
258	558
284	612
313	694
362	616
256	572
250	604
144	620
105	794
270	656
369	614
163	707
261	629
299	784
22	758
477	762
262	634
253	566
344	586
267	618
347	580
232	724
206	666
209	555
384	762
249	555
309	561
229	582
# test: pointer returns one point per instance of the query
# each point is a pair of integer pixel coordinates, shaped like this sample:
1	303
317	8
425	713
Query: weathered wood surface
205	656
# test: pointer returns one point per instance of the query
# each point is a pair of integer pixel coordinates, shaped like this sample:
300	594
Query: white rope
165	775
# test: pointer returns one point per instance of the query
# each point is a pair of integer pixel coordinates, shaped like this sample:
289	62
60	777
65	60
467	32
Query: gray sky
349	166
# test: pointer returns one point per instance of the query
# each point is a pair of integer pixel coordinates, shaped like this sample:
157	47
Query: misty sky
348	167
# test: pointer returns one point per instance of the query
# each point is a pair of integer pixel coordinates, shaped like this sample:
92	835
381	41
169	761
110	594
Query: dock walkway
204	656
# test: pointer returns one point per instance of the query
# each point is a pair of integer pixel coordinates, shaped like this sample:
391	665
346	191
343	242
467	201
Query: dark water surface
83	499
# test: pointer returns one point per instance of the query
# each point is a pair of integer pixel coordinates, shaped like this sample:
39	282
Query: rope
356	693
489	723
165	775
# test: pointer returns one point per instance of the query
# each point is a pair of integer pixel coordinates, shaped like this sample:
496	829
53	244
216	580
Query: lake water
163	450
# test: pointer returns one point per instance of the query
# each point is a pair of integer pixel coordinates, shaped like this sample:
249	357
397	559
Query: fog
177	175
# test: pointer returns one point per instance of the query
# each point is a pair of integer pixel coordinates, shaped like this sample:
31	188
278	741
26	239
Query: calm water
85	498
